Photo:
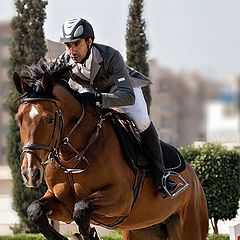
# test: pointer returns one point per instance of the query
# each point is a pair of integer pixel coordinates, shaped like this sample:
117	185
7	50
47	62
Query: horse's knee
36	212
82	215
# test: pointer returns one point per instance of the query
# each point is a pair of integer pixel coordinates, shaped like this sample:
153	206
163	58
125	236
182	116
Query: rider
103	78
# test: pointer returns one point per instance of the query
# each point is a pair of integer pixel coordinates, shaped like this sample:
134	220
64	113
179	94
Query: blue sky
189	35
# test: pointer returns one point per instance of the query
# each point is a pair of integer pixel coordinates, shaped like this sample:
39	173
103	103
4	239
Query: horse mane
54	71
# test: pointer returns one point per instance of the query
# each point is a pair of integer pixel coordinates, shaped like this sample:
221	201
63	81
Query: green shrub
23	237
190	153
112	236
219	172
218	237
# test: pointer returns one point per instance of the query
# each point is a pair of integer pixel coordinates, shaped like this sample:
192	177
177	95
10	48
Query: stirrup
182	185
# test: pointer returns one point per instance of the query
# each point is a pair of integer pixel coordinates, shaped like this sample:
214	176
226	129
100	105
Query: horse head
40	119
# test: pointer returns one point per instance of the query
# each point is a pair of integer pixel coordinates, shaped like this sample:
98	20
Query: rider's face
78	50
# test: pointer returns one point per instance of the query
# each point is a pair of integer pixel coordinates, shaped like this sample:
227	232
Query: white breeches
138	112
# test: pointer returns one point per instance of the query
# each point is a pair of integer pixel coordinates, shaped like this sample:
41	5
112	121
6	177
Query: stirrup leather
182	185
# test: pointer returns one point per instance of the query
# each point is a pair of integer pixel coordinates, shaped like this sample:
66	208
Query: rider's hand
88	98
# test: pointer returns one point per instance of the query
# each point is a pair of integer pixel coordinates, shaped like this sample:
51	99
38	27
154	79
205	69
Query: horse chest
62	192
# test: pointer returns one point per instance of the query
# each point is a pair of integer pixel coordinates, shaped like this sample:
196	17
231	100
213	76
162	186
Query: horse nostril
24	176
36	174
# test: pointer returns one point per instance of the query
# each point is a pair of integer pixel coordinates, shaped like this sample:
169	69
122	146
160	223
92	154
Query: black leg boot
153	151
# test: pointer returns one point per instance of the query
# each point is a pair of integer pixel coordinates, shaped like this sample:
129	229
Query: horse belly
150	208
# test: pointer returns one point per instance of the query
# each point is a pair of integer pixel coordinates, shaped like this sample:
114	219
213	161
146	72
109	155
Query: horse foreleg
38	215
82	215
39	210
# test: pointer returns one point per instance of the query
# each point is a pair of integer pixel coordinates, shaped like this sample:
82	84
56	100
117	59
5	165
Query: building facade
178	105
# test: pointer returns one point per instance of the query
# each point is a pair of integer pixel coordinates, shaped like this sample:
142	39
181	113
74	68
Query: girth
137	187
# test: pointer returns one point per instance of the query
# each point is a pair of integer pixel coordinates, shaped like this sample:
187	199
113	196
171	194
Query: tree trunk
214	225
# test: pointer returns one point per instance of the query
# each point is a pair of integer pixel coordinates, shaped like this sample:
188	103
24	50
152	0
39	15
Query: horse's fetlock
82	215
82	210
35	211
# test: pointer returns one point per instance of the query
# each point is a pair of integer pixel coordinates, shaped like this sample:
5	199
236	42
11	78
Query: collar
96	59
88	63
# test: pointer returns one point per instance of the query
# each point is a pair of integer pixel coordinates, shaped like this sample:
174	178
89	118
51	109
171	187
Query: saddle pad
129	141
132	150
173	159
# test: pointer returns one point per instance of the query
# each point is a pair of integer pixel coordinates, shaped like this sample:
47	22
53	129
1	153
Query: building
223	117
178	104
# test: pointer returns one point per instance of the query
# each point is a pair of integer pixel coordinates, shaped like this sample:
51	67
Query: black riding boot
153	151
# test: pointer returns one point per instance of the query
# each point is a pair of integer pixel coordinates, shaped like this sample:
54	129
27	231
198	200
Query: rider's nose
72	50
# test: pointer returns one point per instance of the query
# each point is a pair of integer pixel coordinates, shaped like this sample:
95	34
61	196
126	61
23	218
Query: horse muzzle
32	176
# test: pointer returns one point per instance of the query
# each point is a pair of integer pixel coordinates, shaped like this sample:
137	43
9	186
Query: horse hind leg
195	223
174	228
187	226
156	232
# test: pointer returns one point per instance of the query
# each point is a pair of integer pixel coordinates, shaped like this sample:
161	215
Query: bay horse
101	187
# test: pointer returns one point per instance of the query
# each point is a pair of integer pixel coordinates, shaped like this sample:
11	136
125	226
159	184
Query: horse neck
69	105
73	111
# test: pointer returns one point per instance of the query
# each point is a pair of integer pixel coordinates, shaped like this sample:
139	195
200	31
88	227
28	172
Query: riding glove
89	98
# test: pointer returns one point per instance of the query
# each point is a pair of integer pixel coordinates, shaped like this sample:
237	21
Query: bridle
58	140
56	133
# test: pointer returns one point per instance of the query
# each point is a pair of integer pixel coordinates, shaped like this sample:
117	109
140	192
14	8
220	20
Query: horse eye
50	120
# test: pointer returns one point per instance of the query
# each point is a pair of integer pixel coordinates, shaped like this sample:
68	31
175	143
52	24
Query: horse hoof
76	236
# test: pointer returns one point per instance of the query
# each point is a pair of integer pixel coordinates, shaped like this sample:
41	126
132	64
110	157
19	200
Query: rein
80	155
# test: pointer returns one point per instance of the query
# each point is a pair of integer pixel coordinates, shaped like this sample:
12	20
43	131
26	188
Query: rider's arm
123	93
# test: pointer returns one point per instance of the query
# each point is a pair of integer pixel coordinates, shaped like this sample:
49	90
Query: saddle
130	141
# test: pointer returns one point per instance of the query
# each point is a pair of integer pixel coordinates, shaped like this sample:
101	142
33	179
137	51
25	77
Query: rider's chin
75	59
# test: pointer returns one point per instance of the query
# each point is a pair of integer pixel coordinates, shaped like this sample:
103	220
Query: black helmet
75	29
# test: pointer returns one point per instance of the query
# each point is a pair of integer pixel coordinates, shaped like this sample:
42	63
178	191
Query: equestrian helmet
75	29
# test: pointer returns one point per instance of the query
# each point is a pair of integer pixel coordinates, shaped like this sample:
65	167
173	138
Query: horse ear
20	84
47	83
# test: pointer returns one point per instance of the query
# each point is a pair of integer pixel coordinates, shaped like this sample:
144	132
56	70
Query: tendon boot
153	151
